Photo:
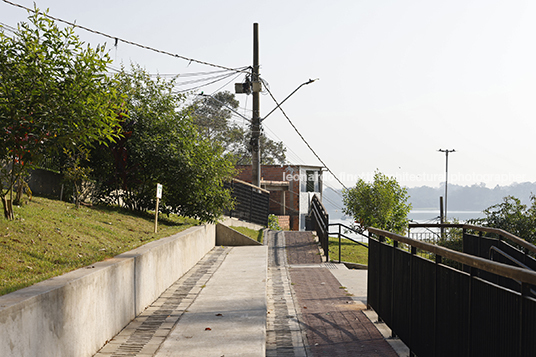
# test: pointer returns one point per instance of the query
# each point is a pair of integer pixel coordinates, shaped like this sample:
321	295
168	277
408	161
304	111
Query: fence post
381	239
525	291
438	260
470	310
413	251
480	244
339	244
395	246
250	203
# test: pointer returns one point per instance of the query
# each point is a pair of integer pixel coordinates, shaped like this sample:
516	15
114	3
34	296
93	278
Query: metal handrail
321	218
508	271
349	228
340	235
512	259
498	231
352	239
346	237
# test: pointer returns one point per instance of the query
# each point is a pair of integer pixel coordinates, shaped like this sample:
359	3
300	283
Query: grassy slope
350	251
49	238
251	233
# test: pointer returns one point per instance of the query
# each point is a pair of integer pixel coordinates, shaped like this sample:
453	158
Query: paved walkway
333	322
273	300
217	309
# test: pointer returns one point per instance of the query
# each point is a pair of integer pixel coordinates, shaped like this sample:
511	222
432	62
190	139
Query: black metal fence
440	311
320	219
251	202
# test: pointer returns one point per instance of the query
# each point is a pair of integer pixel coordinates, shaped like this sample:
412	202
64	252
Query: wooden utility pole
255	121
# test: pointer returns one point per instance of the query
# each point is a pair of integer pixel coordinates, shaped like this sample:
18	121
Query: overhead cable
116	39
303	139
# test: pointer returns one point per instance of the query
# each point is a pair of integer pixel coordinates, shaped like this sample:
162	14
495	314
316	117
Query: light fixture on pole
446	175
284	100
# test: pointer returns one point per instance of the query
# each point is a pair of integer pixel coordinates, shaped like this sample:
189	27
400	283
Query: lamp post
446	175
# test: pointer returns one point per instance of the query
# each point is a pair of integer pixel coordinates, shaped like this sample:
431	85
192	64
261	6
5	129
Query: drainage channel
284	336
144	335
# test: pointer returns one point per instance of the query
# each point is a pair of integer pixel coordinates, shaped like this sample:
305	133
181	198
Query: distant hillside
469	198
460	198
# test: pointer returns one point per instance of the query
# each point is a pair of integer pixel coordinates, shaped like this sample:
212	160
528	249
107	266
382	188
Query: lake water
418	216
432	216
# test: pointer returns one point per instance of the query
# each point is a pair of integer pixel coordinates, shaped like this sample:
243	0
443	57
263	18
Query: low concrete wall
76	313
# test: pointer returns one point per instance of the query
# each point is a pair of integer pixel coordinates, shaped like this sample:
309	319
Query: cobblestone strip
283	334
144	335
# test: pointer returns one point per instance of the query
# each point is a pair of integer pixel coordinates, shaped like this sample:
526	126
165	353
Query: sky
398	80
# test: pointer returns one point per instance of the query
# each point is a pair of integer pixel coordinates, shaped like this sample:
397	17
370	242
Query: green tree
54	95
512	216
381	204
160	144
214	116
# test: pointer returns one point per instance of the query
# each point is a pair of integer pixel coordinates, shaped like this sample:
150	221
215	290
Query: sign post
158	197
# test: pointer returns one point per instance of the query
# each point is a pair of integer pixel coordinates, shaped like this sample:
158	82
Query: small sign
158	190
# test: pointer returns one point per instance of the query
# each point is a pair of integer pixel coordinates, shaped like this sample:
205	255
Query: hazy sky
398	79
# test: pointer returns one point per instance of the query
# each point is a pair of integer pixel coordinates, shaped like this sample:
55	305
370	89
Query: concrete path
279	299
333	322
217	309
229	317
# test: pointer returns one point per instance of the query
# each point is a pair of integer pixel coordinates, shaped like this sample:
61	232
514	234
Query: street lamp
446	176
255	125
284	100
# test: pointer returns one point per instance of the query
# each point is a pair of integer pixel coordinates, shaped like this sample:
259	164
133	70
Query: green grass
251	233
49	238
350	252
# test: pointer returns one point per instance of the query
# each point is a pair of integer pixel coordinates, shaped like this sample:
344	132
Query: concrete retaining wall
226	236
235	222
76	313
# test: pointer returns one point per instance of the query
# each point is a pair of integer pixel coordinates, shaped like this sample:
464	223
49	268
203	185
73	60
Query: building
291	190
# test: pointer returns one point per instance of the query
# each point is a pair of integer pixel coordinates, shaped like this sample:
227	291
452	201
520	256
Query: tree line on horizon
475	197
384	204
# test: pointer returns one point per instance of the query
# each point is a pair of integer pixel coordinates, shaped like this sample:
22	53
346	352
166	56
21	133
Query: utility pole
441	218
446	177
255	122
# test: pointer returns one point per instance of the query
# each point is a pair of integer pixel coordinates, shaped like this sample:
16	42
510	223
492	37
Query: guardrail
341	235
440	311
500	232
320	219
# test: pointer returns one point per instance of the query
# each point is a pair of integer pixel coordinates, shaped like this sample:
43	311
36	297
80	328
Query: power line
286	146
234	75
8	27
305	141
116	39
